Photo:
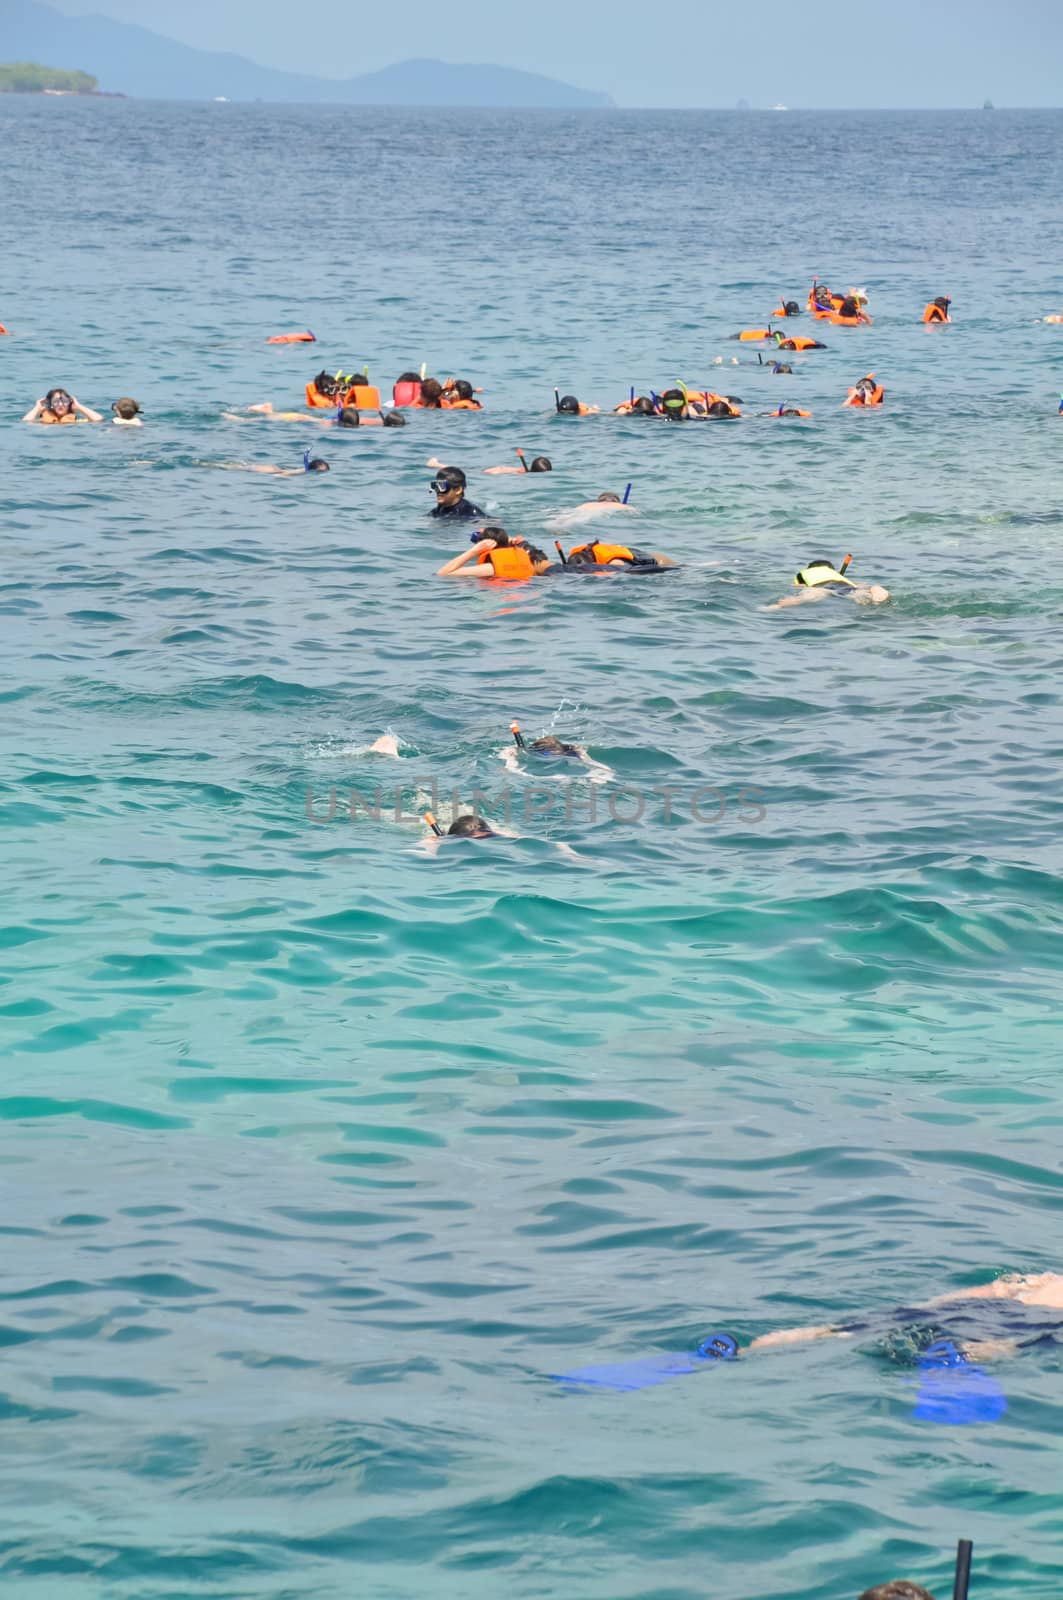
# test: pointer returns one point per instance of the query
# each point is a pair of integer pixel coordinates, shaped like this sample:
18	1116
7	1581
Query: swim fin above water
648	1371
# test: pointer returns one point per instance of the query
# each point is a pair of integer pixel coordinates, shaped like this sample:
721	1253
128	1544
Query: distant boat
780	108
221	99
987	105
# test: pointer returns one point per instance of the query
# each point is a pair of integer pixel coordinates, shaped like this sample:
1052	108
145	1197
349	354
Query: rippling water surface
321	1152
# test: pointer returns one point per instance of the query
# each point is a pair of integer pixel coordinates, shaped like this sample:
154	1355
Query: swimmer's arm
433	461
232	416
788	1336
797	599
495	471
459	565
31	416
265	406
86	411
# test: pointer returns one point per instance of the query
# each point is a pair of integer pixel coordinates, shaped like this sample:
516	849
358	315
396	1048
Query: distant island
28	77
135	61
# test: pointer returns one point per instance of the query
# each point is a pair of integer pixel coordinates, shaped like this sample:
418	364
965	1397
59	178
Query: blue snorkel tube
306	459
627	495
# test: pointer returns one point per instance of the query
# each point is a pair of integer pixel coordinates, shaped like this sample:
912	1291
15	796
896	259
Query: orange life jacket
509	561
859	397
604	553
51	419
799	343
321	402
751	335
292	338
934	313
363	396
462	405
2	328
791	411
847	322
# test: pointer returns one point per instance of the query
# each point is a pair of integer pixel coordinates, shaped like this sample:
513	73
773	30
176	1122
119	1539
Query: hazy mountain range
131	60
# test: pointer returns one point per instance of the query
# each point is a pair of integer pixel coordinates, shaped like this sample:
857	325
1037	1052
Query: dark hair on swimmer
499	535
643	407
394	419
780	367
325	383
408	377
463	389
791	308
431	393
470	827
569	405
673	402
452	475
541	464
315	464
720	408
897	1589
126	408
942	302
349	418
548	745
537	557
850	307
614	499
50	396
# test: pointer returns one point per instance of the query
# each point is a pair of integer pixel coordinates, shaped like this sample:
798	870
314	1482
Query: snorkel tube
433	824
518	737
627	495
557	401
845	565
962	1580
564	558
523	463
306	459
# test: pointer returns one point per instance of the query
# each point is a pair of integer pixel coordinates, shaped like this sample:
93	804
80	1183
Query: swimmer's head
549	746
315	464
541	464
325	383
850	307
448	485
463	389
791	308
643	407
674	402
721	408
349	418
125	408
778	368
394	419
431	394
568	405
58	400
470	827
943	302
610	497
499	535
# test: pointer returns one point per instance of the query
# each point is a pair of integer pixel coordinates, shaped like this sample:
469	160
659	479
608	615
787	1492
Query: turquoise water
321	1152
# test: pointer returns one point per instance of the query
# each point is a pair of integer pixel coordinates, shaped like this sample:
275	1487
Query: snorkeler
938	310
641	405
448	486
497	554
568	406
796	342
549	748
310	464
866	393
820	579
59	406
126	413
786	308
537	464
458	395
596	555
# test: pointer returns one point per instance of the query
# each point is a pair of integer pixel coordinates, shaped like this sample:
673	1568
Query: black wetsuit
462	510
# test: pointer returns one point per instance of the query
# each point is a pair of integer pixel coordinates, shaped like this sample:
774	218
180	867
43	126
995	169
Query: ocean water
322	1152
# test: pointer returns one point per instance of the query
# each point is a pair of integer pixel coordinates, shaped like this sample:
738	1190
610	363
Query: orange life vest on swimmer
363	396
462	405
604	553
839	321
508	561
935	313
752	335
860	397
2	328
321	402
799	343
292	338
51	419
407	392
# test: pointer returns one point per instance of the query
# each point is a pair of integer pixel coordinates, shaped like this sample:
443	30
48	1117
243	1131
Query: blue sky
706	53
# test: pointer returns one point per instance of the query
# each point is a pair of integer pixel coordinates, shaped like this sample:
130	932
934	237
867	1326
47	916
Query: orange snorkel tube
433	824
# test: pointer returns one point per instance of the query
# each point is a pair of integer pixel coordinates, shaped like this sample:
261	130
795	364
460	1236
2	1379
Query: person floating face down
821	579
685	405
569	406
592	557
497	554
641	405
448	486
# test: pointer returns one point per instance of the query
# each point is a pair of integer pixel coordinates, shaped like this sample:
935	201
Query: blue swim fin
953	1390
648	1371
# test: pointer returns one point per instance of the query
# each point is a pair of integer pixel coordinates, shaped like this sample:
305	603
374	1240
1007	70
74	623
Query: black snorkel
518	737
